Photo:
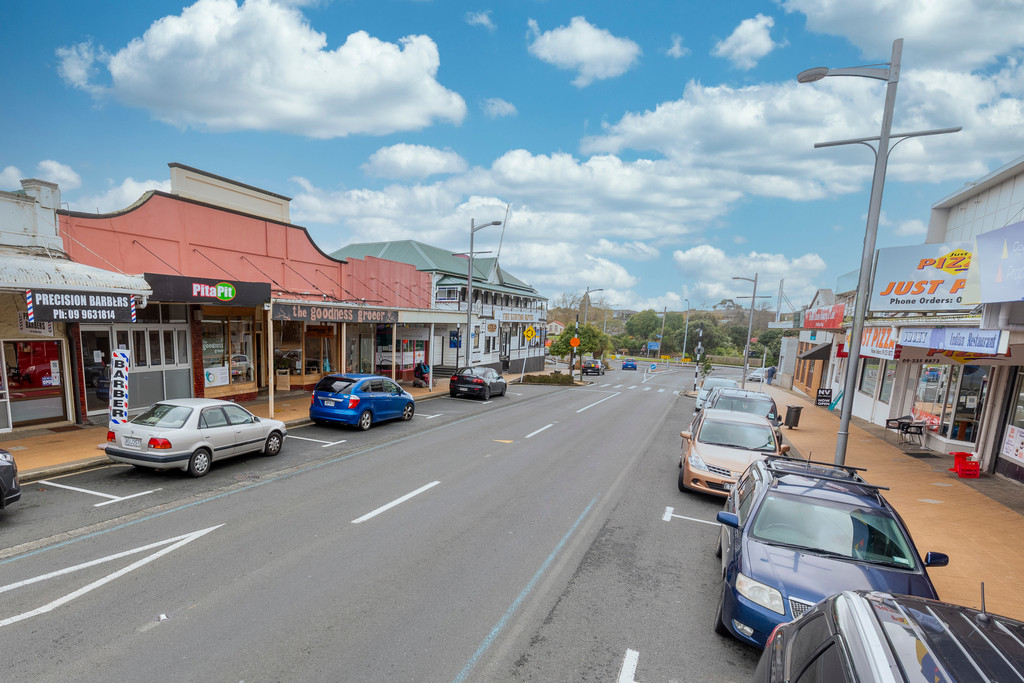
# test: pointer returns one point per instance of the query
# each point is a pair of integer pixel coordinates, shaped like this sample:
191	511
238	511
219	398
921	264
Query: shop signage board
966	339
41	329
120	363
825	318
78	307
491	328
1001	264
913	354
334	314
216	376
823	398
925	277
515	317
1013	444
198	290
878	342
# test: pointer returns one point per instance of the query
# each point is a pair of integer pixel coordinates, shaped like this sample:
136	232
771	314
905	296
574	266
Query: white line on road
628	671
326	444
398	501
177	542
596	402
538	431
429	417
667	517
113	499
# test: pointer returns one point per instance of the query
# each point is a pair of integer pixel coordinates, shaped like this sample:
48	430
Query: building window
949	398
288	346
888	376
447	293
869	375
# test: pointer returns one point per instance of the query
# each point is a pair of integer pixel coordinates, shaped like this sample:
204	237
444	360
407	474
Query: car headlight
695	462
763	595
5	456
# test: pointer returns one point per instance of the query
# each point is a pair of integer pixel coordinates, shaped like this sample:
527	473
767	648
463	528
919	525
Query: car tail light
476	380
312	399
111	438
451	380
155	442
353	401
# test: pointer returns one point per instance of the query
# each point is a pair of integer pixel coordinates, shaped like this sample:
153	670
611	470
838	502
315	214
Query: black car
10	489
870	636
477	381
593	366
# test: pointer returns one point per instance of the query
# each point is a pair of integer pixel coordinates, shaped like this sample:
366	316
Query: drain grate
920	454
247	477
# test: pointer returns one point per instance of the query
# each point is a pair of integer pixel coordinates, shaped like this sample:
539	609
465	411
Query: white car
710	383
190	433
758	375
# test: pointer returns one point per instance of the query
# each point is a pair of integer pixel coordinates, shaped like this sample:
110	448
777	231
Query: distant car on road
477	381
857	635
191	433
10	488
629	364
710	383
758	375
795	532
593	366
359	400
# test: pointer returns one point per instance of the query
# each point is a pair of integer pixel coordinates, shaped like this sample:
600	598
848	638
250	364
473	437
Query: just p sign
926	277
118	388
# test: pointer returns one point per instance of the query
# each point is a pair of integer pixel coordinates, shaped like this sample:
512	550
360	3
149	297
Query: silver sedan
190	433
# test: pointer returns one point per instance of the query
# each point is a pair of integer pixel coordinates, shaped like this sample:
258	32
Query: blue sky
651	149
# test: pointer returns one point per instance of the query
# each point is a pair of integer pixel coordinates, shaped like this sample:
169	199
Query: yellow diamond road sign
529	332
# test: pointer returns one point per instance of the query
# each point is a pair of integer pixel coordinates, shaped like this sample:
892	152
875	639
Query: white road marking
326	444
176	542
397	501
538	431
667	517
113	499
429	417
648	388
633	386
628	672
596	402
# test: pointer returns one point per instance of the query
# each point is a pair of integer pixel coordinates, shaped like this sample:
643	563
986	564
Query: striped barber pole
132	297
28	303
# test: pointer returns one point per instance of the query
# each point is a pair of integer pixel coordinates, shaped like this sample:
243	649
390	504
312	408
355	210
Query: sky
654	150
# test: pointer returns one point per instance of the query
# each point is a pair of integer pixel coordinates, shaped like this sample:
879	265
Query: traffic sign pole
699	350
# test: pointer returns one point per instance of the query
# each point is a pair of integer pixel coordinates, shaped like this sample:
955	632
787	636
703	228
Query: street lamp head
812	75
748	279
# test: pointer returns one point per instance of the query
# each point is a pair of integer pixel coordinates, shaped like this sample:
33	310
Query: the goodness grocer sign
925	277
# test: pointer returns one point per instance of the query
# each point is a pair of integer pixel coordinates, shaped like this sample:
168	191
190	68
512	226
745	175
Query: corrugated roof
20	270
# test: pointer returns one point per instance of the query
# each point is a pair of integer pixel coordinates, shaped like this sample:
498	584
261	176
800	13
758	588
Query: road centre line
628	672
113	499
538	431
397	501
597	402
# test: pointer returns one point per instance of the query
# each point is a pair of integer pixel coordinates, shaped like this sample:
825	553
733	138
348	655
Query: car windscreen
753	437
335	385
163	415
711	383
838	529
746	405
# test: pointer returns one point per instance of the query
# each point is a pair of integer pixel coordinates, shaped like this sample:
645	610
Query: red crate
969	469
959	458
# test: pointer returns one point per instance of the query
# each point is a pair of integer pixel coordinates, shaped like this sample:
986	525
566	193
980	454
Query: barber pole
28	303
132	303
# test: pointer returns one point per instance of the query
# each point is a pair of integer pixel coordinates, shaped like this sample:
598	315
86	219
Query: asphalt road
534	537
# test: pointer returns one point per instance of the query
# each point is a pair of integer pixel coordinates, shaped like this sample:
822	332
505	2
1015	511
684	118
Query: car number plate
329	404
132	441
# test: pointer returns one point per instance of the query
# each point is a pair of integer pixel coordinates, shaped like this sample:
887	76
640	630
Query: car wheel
408	411
199	463
273	445
720	627
504	390
452	393
682	480
487	393
365	420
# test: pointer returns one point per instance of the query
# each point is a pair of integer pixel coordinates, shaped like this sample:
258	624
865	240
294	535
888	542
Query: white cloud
913	227
59	173
496	107
480	19
260	66
10	178
959	34
118	197
413	161
712	270
677	50
749	42
592	52
637	251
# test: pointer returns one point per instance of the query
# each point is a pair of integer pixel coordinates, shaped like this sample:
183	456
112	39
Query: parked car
744	401
360	400
866	635
10	488
191	433
629	364
795	532
707	385
593	366
758	375
241	366
94	370
477	381
719	447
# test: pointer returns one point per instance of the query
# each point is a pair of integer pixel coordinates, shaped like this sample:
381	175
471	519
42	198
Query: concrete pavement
979	523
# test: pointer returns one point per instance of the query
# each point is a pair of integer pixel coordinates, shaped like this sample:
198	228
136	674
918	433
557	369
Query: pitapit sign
926	277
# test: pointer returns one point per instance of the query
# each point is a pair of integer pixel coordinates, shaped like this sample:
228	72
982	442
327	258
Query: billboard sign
921	278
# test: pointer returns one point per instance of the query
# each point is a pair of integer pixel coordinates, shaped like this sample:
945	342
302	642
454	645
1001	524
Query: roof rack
772	462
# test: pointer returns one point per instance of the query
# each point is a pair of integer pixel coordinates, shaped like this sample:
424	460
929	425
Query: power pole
699	350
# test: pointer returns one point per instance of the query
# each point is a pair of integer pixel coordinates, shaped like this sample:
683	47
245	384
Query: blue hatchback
795	532
360	400
629	364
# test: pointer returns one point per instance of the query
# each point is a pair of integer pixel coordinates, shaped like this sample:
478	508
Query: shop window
169	347
288	347
241	339
182	347
154	348
140	358
888	377
949	398
320	354
869	375
447	293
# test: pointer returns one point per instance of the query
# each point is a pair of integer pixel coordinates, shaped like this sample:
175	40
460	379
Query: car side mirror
730	519
255	418
685	435
936	559
783	449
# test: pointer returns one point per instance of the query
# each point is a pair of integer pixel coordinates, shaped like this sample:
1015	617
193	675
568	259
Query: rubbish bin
793	416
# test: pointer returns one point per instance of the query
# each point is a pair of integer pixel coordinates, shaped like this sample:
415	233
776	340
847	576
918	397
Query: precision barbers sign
74	307
333	314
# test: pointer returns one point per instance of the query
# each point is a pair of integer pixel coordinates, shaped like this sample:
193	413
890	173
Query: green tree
592	341
644	325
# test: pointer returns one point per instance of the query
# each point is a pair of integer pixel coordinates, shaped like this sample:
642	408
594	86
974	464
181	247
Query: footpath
979	522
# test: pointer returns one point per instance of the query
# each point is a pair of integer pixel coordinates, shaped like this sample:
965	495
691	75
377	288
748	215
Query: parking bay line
325	443
397	501
113	499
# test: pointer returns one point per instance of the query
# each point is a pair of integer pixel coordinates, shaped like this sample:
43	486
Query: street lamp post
750	330
586	301
686	327
891	74
473	227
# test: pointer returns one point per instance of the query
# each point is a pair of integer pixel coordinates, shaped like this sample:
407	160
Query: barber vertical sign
120	360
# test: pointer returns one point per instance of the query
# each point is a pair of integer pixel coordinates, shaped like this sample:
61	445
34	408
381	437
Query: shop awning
819	352
20	271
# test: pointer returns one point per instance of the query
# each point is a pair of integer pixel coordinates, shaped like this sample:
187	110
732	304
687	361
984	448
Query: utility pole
686	328
699	350
661	338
